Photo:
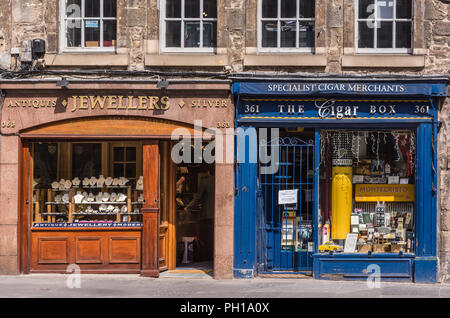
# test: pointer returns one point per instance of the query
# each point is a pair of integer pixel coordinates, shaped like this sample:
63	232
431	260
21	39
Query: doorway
286	205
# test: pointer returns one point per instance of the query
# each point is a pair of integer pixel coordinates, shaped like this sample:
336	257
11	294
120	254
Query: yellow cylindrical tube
341	202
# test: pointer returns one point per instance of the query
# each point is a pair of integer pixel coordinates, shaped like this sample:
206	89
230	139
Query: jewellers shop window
189	25
88	25
367	191
286	25
86	183
384	26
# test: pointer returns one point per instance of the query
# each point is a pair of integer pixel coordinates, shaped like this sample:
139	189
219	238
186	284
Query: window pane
210	9
118	170
173	8
269	9
119	154
73	8
131	154
288	8
73	33
209	34
173	34
92	8
130	170
385	9
384	36
288	33
307	8
45	163
109	8
403	36
86	160
306	34
109	33
192	8
269	34
92	33
404	9
365	9
366	35
192	34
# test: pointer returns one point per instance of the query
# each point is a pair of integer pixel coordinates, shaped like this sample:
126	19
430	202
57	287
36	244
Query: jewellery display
102	197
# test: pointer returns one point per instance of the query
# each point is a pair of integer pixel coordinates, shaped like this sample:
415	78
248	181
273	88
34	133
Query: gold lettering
83	102
165	102
11	104
142	102
210	102
194	103
112	102
130	103
153	102
98	100
74	98
120	103
53	103
224	103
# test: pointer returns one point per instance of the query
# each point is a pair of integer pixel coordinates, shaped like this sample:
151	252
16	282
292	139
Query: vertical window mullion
376	25
182	24
201	24
82	24
101	23
278	24
394	24
297	24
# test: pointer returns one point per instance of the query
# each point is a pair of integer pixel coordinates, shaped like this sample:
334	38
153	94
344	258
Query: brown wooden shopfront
112	116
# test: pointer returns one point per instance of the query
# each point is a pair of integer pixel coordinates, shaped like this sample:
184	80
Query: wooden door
167	241
150	210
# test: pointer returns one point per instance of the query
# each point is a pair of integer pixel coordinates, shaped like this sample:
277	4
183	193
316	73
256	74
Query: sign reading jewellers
339	101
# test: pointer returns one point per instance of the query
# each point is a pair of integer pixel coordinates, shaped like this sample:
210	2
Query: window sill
86	59
383	60
284	59
187	59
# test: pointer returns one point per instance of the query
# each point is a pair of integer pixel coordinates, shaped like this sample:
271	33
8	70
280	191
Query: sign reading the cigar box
384	192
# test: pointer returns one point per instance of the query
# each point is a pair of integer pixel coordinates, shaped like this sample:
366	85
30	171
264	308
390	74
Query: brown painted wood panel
124	250
53	250
23	206
89	250
150	210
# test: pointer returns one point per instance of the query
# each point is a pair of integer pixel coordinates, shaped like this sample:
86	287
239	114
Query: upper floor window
384	26
88	25
189	25
286	25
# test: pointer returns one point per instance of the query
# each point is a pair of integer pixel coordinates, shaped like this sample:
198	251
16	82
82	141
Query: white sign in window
287	196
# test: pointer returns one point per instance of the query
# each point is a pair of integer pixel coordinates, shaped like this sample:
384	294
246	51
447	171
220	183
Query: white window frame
63	28
182	49
279	20
377	20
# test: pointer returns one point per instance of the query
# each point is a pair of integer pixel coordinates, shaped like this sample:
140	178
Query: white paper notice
287	196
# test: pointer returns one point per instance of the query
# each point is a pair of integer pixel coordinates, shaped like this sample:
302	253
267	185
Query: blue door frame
421	266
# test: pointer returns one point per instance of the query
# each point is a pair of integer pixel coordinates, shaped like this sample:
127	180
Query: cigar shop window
86	183
366	189
88	25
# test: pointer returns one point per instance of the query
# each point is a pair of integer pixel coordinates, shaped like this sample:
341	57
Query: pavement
176	286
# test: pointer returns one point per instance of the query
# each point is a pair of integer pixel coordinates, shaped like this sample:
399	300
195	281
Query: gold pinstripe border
273	117
339	100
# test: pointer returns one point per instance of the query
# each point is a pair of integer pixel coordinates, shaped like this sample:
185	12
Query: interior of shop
367	180
194	196
87	183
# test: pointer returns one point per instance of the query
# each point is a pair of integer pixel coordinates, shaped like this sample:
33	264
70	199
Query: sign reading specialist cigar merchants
384	192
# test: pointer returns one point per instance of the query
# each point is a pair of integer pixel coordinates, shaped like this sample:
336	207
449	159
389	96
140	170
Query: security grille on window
88	24
190	24
287	24
384	25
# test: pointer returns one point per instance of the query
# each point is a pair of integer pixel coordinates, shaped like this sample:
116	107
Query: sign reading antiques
332	108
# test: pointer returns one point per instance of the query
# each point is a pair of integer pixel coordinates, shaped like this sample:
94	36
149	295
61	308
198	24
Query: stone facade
138	48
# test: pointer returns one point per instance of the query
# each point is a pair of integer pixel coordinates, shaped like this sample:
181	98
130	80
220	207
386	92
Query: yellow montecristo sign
384	192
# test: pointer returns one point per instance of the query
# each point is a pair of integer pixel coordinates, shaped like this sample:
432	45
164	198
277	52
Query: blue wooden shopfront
314	107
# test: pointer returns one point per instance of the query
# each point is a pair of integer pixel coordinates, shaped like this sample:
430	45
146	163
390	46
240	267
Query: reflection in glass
306	34
385	9
73	33
384	35
173	34
288	31
192	34
366	9
86	159
269	34
109	33
173	8
366	35
209	34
